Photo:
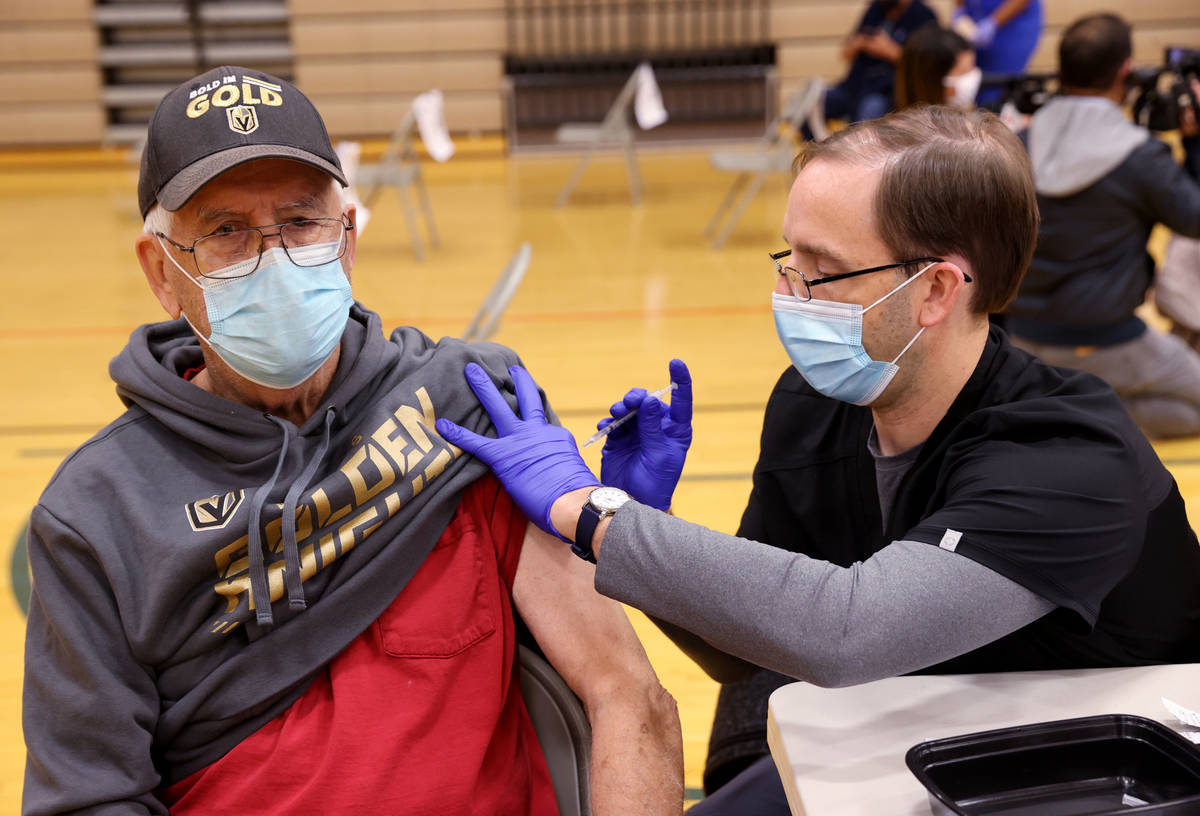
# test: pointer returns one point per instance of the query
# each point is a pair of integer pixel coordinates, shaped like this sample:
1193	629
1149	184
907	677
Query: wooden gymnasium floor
613	292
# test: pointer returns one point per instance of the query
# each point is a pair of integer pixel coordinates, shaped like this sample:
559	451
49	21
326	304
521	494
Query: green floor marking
20	571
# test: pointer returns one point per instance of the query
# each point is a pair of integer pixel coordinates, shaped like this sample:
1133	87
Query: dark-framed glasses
236	253
802	286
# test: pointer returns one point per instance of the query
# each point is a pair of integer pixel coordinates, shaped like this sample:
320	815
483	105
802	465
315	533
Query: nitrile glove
644	457
985	32
535	461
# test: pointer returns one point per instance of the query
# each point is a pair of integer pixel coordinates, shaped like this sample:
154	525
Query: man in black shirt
927	497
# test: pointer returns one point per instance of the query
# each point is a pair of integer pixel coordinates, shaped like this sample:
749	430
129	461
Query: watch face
607	499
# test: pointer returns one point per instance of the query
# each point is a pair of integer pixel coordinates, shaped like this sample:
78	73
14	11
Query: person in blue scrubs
1004	33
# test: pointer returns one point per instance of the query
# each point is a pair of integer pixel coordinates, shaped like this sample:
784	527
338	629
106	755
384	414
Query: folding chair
487	320
562	729
774	154
398	167
614	131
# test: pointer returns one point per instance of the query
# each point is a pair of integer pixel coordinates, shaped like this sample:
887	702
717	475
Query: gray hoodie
1076	140
148	653
1102	184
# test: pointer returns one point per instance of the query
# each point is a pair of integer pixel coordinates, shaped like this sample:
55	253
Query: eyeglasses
236	253
800	283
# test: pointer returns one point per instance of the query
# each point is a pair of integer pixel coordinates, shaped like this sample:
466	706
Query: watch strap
585	529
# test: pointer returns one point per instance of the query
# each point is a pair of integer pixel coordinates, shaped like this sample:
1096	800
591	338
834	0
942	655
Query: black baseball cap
220	119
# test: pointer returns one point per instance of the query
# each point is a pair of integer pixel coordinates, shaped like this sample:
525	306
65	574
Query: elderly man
934	498
269	586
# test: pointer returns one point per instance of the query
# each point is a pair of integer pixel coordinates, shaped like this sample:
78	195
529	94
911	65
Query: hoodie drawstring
259	587
254	550
291	545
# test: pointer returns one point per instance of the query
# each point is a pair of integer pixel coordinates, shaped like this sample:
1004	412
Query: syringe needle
616	423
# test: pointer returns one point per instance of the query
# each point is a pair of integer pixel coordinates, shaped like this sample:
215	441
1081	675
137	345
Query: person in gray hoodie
270	586
1102	184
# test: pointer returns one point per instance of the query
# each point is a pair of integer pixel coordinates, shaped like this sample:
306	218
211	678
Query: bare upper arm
585	636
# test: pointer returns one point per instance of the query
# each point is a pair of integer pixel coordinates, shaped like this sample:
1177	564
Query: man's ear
947	287
1123	73
351	212
152	257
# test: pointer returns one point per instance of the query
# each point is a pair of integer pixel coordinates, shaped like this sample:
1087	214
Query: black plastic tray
1112	764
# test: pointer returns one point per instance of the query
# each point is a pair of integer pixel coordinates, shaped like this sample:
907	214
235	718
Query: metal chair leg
411	220
751	191
423	197
633	175
738	183
576	174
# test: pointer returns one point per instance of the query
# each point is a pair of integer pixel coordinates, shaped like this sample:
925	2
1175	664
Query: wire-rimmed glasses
236	253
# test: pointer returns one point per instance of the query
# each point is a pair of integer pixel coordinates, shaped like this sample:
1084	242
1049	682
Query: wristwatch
603	501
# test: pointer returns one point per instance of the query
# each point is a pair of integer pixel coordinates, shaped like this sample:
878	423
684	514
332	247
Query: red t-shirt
421	714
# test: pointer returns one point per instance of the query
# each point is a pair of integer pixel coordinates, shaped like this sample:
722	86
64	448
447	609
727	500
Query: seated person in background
1177	288
873	49
270	587
1102	185
937	67
1004	34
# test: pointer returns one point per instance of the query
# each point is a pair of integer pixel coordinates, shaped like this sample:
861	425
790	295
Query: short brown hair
952	182
1092	51
929	55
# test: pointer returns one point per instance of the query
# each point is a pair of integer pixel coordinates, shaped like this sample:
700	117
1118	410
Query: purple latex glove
985	32
644	457
535	461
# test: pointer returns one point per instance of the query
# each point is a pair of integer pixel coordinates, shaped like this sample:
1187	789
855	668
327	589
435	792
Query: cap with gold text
220	119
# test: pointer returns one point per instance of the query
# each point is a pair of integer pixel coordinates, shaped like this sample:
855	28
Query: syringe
616	423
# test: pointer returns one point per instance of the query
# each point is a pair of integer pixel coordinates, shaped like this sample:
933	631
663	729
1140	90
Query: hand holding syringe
645	459
616	423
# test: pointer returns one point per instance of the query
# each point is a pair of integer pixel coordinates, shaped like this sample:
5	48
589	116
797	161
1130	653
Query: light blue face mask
824	340
276	327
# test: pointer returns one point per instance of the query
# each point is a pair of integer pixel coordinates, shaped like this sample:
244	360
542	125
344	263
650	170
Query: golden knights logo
242	119
214	512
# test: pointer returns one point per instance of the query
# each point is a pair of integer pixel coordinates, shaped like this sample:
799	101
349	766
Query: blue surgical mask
275	327
824	340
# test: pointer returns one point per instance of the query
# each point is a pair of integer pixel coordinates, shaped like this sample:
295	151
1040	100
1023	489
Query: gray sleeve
88	707
909	606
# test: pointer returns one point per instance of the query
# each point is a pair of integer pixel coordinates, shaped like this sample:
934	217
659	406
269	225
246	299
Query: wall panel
49	77
1149	42
42	11
363	64
428	33
38	84
65	124
364	60
52	43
